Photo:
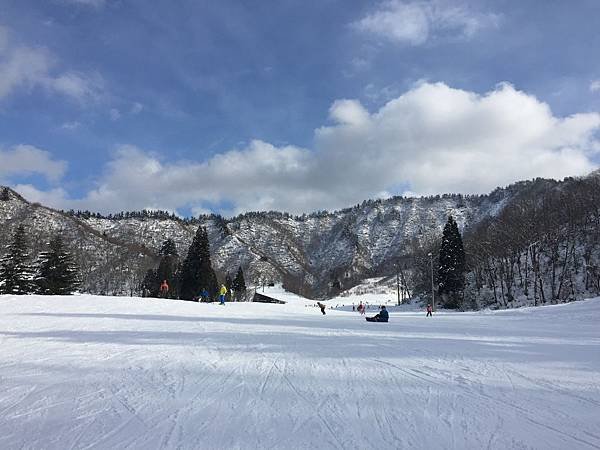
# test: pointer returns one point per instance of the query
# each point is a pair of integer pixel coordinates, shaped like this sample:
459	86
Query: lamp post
432	289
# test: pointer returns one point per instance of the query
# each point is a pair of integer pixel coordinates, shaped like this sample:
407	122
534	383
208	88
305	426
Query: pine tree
239	285
229	286
196	271
451	269
150	284
167	268
4	195
56	272
16	273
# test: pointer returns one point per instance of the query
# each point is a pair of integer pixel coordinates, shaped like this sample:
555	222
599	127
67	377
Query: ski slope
104	373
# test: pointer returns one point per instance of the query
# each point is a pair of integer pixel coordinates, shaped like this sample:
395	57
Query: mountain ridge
314	254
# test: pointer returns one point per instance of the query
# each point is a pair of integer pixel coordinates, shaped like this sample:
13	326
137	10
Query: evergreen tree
229	286
56	272
4	195
239	285
196	271
16	273
167	268
451	269
151	284
168	248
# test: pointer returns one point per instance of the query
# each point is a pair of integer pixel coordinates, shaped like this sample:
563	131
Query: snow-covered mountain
309	253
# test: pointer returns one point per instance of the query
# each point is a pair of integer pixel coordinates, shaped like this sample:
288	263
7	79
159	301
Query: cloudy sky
229	106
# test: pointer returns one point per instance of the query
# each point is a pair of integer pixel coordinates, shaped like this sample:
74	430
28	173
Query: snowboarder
383	316
222	294
322	306
353	307
361	308
429	309
164	289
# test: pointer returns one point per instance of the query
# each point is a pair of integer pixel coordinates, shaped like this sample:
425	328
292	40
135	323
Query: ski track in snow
89	372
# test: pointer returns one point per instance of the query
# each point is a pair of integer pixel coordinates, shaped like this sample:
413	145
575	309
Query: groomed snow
105	372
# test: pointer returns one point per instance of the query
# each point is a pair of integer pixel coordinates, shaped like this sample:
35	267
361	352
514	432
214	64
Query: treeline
143	214
52	272
192	278
542	248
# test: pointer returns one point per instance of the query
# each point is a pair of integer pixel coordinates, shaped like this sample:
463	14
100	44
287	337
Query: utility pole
432	289
397	283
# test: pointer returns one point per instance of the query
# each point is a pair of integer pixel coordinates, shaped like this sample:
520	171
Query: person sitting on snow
383	316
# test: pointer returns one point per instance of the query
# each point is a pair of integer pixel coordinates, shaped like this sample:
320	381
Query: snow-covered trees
54	274
451	268
196	271
544	247
56	271
16	272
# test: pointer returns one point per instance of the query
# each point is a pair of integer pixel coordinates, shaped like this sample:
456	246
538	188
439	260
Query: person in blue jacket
383	316
204	295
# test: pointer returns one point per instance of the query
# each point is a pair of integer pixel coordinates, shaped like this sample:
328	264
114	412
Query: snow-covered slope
116	372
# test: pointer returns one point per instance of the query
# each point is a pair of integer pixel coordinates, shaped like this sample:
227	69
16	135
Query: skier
322	306
222	293
361	308
164	289
429	309
353	307
383	316
204	295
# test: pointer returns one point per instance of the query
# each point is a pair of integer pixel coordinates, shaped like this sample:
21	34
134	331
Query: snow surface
108	372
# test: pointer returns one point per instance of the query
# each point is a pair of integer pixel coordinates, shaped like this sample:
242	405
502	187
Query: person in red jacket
429	309
164	289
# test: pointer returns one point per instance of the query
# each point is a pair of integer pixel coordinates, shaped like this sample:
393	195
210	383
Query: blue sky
229	106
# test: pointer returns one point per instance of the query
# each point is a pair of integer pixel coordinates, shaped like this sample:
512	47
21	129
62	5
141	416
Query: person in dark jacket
383	316
322	306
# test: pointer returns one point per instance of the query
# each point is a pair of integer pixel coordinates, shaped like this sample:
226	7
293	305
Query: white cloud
595	86
23	67
414	23
56	197
76	85
349	112
136	108
437	139
28	160
71	125
114	114
431	139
